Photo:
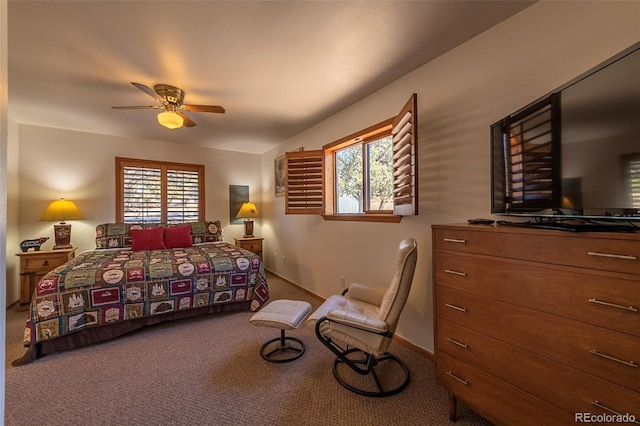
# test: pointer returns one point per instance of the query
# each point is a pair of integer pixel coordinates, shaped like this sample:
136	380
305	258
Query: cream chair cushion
367	316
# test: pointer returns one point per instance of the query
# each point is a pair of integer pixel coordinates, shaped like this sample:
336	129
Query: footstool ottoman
285	315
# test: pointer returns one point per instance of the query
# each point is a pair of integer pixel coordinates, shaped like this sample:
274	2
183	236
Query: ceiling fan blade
204	108
137	107
187	121
149	91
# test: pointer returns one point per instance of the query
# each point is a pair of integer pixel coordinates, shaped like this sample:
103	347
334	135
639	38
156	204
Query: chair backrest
396	295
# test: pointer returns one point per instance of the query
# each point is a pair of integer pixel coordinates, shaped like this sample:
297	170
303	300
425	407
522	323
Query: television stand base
572	226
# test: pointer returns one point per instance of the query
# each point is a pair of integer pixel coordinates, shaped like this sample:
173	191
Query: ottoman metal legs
275	353
285	315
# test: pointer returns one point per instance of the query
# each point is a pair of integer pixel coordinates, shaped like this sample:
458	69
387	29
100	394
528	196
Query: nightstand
253	244
35	264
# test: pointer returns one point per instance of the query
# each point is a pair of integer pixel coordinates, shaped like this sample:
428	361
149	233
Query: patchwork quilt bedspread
105	286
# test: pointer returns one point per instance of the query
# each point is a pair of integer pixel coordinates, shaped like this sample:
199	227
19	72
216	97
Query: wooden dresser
35	264
537	326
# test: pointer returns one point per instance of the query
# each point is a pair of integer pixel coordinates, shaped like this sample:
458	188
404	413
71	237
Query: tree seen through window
364	176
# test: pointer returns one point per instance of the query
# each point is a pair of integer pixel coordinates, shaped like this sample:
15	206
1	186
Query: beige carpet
208	371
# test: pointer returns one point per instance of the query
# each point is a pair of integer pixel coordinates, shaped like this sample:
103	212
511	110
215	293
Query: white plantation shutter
151	191
405	164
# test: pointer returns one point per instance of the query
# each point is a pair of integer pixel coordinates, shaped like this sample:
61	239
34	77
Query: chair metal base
276	352
381	376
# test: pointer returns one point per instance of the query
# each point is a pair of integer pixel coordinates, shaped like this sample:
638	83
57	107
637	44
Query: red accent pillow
178	236
147	239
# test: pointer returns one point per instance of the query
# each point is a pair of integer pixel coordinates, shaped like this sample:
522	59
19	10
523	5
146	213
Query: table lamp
61	210
248	211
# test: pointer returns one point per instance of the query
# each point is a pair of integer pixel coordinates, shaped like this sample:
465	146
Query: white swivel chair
358	327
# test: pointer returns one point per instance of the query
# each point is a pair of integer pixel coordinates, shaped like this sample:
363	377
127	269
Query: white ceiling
277	67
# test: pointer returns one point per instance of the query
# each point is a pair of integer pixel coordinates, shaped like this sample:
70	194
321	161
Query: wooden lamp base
248	228
62	233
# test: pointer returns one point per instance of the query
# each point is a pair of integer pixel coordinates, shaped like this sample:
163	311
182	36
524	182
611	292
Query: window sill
387	218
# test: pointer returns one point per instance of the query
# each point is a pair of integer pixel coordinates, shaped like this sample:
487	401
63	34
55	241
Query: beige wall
79	166
13	239
4	164
459	95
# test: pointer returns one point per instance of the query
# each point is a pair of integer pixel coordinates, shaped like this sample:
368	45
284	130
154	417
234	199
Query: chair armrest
371	295
358	320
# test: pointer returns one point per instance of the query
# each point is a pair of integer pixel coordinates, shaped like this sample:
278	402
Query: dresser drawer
604	299
606	252
608	354
43	264
252	246
563	386
488	395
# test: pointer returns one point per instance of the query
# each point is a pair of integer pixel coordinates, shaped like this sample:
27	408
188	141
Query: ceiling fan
172	115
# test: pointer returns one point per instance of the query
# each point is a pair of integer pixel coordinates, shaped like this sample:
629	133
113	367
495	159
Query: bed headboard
116	235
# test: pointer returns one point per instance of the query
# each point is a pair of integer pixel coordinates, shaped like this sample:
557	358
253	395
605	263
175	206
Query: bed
140	274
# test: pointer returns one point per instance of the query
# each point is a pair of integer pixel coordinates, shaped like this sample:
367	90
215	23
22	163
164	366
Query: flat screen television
573	156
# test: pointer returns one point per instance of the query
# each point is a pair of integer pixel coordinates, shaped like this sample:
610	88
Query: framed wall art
238	194
279	172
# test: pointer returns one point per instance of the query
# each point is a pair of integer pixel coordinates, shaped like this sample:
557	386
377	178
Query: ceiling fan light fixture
170	120
170	98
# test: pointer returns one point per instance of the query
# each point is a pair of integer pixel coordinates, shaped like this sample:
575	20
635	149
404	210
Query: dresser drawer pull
614	412
613	305
455	342
464	382
616	256
629	363
451	271
457	308
454	240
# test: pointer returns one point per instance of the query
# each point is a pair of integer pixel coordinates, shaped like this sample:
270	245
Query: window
370	175
364	176
362	169
349	180
154	191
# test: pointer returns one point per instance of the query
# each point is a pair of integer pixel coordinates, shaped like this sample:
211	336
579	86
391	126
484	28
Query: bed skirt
110	331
